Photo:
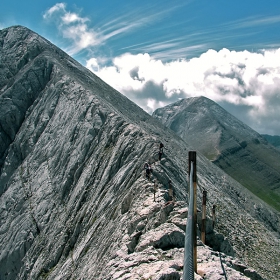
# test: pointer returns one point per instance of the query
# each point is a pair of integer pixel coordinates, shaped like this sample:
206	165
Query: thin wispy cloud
121	26
161	46
84	34
171	50
156	44
255	21
193	43
133	20
179	53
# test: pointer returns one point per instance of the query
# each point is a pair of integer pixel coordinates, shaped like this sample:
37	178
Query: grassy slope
256	169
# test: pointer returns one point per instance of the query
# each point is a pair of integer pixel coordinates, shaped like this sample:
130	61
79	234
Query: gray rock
73	198
252	274
166	236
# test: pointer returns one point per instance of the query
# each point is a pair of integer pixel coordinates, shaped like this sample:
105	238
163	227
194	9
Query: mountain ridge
230	144
273	140
74	202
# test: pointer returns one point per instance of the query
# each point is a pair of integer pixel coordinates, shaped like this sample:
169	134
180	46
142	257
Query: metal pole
188	272
192	154
192	158
190	257
203	224
155	189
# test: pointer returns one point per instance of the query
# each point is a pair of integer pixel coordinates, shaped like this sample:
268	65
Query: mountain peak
74	196
229	143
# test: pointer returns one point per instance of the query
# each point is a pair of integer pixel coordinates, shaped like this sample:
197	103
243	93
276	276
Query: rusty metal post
192	158
203	222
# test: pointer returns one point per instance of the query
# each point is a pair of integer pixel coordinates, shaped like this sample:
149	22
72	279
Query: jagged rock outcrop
74	202
233	146
159	247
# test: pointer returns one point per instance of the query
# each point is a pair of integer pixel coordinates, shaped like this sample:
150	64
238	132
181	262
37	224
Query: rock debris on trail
74	201
153	245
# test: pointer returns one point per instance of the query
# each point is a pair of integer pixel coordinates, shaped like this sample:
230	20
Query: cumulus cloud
92	64
244	82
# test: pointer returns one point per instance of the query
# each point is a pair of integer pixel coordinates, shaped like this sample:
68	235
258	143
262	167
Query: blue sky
156	52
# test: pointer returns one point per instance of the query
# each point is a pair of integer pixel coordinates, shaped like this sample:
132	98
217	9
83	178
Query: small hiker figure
149	170
160	151
146	165
170	191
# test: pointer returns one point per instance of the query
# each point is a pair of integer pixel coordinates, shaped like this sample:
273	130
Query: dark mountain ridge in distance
273	140
74	199
233	146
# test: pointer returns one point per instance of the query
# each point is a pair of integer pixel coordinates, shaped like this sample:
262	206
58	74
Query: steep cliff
75	203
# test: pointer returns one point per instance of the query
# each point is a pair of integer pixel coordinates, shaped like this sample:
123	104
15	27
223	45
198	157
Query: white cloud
56	8
92	64
240	79
68	18
244	81
74	27
81	36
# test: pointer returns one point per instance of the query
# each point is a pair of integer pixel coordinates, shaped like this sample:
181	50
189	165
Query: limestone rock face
74	200
233	146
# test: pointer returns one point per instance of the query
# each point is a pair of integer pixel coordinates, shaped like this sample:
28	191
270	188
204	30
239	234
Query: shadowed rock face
74	201
230	144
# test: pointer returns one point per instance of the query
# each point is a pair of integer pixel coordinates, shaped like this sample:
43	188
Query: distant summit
230	144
